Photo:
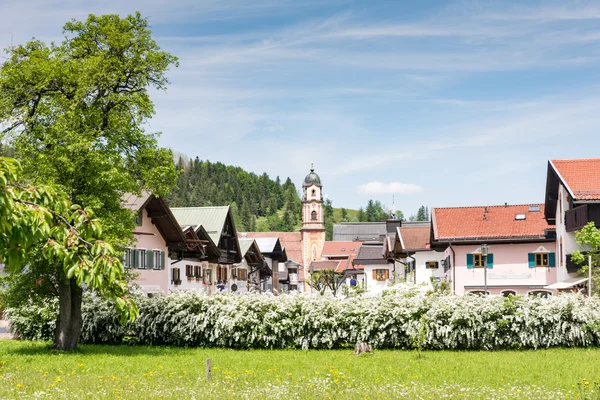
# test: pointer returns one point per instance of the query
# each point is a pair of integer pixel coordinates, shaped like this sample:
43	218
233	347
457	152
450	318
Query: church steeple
313	217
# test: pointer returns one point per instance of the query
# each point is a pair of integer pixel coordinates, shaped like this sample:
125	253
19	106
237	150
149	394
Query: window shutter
162	260
552	260
149	259
531	260
490	261
387	274
139	263
375	274
470	261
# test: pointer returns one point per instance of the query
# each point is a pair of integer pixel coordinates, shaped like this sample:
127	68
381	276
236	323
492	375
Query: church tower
313	218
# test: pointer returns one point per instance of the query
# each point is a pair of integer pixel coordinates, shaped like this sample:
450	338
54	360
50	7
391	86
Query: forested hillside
275	205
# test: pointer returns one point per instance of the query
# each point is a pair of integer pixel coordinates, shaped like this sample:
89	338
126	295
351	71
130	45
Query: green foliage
390	320
74	115
325	280
42	221
262	204
588	240
328	214
376	212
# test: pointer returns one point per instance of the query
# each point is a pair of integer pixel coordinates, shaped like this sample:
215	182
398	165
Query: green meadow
34	370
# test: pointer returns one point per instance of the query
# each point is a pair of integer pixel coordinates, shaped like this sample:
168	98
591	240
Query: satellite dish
234	287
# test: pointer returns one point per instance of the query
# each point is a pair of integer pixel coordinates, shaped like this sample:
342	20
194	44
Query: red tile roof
340	248
582	177
464	223
415	237
291	241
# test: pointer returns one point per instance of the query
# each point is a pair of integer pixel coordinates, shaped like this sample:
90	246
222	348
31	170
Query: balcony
576	218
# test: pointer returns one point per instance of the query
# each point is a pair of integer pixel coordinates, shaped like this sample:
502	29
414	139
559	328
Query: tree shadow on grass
46	348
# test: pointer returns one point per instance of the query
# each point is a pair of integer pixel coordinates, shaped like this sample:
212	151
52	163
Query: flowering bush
394	319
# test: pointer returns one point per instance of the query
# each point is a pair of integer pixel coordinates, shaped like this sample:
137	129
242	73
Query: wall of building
423	273
562	236
510	269
149	238
373	285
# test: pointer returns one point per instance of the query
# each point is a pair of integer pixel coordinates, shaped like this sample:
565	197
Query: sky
432	103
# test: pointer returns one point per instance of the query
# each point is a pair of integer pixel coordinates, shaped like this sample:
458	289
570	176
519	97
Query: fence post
208	369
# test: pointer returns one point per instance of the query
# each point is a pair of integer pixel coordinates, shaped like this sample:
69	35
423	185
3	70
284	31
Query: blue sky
439	103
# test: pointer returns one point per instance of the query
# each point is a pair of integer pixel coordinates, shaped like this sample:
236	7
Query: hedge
396	319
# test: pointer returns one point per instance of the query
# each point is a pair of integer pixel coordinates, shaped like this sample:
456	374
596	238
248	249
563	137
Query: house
378	269
275	257
521	242
188	271
157	237
216	225
410	245
253	273
291	277
339	256
572	200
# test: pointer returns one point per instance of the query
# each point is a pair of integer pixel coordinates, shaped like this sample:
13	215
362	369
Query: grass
32	370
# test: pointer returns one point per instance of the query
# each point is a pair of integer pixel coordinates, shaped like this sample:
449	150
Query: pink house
572	201
521	250
156	236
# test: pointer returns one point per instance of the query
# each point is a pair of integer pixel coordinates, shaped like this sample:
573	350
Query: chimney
505	204
392	224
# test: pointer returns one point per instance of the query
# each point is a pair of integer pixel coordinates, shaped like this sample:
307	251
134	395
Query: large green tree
41	220
74	113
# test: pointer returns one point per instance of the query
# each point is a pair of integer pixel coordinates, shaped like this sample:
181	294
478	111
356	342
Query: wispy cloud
389	188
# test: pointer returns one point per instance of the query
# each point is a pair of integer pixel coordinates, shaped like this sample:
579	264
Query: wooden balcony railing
576	218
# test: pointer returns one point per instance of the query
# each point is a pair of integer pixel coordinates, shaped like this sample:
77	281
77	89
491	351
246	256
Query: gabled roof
581	177
370	253
291	242
336	249
158	210
490	223
359	231
212	219
416	238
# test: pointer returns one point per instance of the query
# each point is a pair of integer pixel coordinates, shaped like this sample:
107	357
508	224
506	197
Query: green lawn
31	370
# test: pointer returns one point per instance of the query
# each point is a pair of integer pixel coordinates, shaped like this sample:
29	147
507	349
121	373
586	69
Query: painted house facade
378	269
521	255
213	226
572	200
411	247
156	238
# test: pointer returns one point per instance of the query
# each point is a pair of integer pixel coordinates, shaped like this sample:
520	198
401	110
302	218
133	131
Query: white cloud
389	188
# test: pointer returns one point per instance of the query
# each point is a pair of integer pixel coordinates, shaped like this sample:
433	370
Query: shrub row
395	319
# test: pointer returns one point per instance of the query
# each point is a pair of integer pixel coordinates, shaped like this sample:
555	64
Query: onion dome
312	179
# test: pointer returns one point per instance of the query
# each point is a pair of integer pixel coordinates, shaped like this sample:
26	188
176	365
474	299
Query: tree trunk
68	325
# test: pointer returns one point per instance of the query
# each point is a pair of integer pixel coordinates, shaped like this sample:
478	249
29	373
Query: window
198	272
313	216
541	259
129	258
221	273
540	293
159	259
314	192
176	276
139	217
189	272
431	265
478	292
477	260
381	274
507	293
141	261
242	274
